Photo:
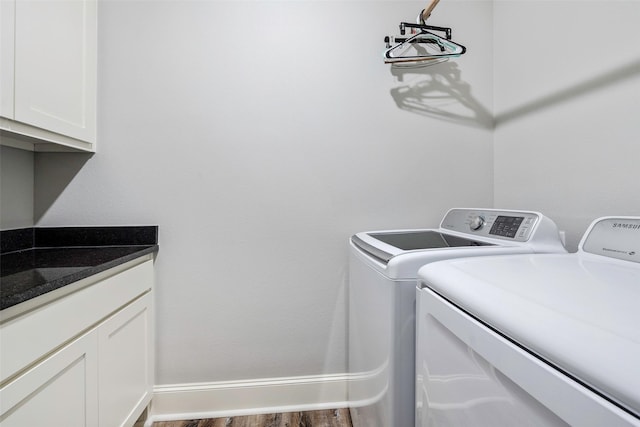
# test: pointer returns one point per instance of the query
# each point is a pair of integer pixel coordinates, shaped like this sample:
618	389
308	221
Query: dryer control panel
613	237
507	225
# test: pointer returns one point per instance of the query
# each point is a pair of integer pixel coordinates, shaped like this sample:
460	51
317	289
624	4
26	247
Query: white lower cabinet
62	390
102	376
125	367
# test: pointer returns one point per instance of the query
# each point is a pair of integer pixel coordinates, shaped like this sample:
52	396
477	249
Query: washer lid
579	312
397	242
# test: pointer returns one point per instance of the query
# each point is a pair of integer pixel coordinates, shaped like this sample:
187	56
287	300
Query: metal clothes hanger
424	47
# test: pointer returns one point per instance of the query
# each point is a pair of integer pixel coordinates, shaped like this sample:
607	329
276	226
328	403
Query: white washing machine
383	273
533	340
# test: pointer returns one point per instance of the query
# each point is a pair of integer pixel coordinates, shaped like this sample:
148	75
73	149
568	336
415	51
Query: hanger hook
424	15
420	18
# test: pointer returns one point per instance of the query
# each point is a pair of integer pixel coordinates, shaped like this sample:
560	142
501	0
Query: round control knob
476	223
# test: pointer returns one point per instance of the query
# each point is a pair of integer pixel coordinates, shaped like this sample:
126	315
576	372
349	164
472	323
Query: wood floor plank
336	417
326	418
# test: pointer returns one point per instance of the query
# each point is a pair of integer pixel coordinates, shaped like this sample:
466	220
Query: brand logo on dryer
630	253
619	251
626	226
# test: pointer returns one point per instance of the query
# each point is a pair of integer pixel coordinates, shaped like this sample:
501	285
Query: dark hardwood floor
327	418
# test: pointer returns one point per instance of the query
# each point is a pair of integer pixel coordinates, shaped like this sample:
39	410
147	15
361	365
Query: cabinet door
59	391
7	21
55	66
126	363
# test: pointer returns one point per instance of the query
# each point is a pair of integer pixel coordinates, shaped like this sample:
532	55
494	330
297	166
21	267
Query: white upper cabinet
48	67
7	27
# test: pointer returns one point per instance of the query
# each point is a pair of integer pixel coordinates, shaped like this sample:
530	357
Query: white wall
16	187
260	136
567	86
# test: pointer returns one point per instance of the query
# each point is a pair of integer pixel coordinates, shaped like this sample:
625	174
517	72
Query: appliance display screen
506	226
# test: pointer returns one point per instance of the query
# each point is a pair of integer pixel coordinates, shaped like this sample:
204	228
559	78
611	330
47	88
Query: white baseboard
248	397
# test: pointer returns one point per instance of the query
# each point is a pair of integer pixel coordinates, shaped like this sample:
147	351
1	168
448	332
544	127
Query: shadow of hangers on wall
439	91
596	83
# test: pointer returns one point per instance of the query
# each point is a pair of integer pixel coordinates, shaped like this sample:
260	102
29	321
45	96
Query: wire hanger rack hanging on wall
423	46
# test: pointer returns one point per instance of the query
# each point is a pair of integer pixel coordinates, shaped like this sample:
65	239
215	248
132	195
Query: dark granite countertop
34	261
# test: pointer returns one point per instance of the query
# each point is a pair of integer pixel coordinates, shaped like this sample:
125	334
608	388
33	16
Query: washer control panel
508	225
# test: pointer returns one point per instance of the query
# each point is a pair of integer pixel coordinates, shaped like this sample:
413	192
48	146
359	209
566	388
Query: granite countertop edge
38	290
94	242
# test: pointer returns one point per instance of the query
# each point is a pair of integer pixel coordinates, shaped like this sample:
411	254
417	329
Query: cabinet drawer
31	336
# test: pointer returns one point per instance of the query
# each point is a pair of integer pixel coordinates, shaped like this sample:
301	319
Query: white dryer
383	274
533	340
